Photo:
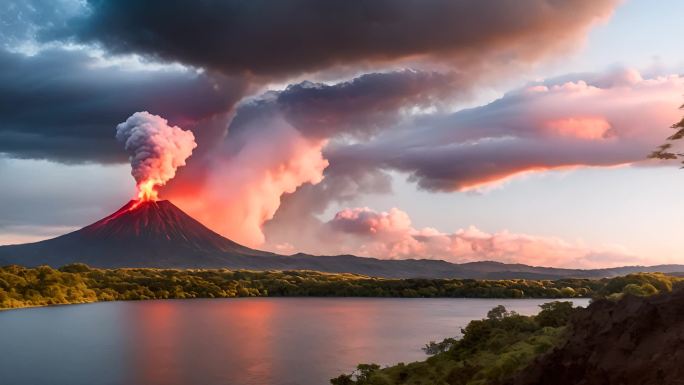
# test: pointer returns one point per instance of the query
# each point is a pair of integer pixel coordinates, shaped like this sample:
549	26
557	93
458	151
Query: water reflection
153	343
260	341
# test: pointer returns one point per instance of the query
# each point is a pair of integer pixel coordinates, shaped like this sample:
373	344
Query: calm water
261	341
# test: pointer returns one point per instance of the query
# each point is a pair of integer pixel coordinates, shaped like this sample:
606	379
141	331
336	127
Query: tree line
78	283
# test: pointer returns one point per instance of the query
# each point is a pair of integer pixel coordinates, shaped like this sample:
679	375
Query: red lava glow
147	192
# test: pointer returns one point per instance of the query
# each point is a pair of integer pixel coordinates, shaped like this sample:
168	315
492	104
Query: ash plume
156	150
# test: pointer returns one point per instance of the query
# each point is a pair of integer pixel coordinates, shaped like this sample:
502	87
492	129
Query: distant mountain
159	234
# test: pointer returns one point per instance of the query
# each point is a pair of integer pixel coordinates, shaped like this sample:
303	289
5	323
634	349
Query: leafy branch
664	151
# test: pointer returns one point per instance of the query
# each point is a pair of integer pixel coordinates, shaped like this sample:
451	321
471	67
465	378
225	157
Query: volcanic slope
149	233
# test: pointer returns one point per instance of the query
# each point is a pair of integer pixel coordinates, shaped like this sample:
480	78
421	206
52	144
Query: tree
665	150
568	292
343	379
644	290
555	314
497	313
364	371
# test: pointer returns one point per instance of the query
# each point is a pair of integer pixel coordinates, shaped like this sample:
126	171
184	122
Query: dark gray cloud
63	105
58	104
368	103
291	37
359	107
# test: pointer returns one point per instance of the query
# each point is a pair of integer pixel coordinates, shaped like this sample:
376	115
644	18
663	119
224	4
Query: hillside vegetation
78	283
490	350
495	350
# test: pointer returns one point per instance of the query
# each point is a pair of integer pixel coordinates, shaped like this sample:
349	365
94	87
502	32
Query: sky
514	131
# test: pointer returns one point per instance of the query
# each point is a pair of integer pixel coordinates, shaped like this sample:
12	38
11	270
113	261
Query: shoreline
294	297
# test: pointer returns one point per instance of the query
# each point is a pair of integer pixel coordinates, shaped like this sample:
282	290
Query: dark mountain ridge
159	234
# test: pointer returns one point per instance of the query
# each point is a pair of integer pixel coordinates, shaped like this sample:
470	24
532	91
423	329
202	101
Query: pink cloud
589	128
390	234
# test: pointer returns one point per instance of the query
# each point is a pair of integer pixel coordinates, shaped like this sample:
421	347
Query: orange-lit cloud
275	144
589	128
241	190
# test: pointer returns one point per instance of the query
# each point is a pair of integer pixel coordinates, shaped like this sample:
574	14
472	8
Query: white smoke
156	150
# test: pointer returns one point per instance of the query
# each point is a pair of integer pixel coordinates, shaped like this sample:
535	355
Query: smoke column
156	150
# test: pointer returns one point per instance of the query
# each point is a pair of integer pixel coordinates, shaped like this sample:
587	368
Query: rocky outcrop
635	341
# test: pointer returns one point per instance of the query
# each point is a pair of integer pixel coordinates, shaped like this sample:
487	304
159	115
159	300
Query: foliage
554	314
665	151
433	347
640	284
490	350
494	349
78	283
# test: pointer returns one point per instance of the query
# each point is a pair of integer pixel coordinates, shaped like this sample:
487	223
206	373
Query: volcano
141	233
160	235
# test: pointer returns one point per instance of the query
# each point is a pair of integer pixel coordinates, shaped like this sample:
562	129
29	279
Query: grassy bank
78	283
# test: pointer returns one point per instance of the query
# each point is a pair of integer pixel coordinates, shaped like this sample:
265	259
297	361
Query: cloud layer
312	145
605	121
275	143
597	120
269	167
284	38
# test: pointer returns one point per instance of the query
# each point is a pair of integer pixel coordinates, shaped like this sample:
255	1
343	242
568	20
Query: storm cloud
59	98
63	104
280	38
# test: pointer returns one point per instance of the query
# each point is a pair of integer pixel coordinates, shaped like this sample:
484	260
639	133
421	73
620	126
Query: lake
243	341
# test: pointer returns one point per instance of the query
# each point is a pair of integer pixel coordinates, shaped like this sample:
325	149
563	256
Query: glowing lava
147	192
